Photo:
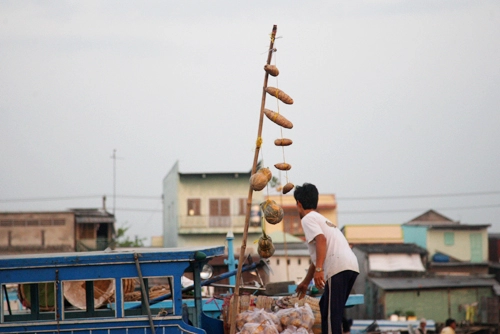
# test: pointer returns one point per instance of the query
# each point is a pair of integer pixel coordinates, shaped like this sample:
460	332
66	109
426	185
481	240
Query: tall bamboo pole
236	296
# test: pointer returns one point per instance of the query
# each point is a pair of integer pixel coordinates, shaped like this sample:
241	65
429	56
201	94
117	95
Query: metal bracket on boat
267	268
145	298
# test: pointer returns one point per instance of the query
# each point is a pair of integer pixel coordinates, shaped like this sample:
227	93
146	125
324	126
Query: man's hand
319	279
301	290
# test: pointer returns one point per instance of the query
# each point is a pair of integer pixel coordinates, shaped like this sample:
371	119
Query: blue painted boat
61	269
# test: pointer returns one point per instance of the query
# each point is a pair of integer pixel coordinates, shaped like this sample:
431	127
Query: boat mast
235	306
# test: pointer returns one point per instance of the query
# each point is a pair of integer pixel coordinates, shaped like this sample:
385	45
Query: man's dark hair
307	195
449	322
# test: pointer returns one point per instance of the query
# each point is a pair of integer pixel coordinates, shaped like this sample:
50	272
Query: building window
299	262
277	262
87	231
194	207
449	238
291	223
6	223
219	212
9	237
242	206
288	262
43	238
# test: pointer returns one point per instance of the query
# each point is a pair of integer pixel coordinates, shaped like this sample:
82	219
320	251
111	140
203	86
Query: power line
413	210
418	196
42	199
138	210
139	197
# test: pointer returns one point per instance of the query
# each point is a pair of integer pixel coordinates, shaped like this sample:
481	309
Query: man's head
307	196
451	323
423	322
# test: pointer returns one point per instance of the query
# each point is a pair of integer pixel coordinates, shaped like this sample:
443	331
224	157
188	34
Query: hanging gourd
273	213
289	186
278	119
259	180
283	166
265	247
272	70
279	94
283	142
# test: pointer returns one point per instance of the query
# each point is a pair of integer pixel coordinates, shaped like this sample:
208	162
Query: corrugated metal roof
459	264
93	216
457	227
432	282
391	248
95	220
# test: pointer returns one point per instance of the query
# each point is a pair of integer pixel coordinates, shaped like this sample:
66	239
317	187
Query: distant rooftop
391	248
433	282
432	217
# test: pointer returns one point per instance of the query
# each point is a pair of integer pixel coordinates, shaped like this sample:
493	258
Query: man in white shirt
334	267
451	325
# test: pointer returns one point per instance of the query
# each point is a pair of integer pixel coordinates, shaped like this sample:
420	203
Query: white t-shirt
339	255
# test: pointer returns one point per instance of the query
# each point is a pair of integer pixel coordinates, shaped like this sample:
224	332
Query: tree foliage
123	240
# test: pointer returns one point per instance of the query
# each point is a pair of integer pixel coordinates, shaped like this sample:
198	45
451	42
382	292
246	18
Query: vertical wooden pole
236	296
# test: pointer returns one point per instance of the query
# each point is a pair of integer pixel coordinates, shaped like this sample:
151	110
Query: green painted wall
431	304
461	247
437	305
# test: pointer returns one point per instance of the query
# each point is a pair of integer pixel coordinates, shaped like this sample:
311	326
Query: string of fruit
257	183
272	212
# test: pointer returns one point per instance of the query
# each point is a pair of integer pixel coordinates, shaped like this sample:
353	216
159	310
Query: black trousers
332	302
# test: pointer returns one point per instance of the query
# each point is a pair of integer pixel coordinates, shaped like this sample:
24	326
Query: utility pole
114	180
114	157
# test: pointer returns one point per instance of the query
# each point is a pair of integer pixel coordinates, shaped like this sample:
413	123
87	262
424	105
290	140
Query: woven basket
74	292
46	296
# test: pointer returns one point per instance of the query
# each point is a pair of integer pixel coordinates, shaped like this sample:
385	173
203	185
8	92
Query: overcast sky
397	101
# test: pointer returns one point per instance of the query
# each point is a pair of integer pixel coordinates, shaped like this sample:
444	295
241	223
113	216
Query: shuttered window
219	212
219	207
242	206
